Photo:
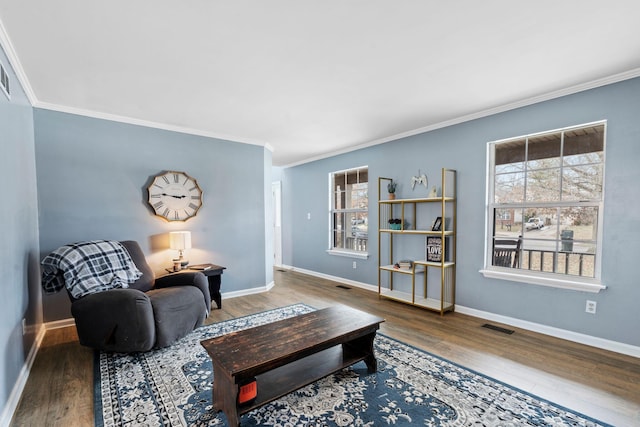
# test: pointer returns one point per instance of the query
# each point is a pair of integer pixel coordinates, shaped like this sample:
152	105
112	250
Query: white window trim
347	253
542	279
576	283
339	251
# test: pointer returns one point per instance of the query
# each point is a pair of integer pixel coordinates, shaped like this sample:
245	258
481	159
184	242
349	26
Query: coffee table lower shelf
288	354
281	381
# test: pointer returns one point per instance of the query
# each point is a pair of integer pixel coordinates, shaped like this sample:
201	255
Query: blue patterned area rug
172	387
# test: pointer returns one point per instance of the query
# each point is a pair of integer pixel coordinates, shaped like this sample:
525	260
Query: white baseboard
250	291
60	323
14	398
353	283
589	340
564	334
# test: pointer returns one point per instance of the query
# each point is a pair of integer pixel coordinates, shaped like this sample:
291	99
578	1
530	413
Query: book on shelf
200	267
405	264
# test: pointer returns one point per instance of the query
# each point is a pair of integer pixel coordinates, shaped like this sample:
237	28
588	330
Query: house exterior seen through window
349	210
545	205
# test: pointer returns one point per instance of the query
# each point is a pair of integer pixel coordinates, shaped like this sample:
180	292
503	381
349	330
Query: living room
75	176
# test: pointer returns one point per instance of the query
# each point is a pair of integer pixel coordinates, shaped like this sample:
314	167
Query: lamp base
183	262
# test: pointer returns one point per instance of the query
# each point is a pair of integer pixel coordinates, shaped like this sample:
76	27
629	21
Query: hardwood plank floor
601	384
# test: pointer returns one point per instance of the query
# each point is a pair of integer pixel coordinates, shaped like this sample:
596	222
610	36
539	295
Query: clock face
175	196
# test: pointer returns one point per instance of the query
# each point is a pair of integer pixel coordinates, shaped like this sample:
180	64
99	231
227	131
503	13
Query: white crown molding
627	75
7	46
145	123
16	65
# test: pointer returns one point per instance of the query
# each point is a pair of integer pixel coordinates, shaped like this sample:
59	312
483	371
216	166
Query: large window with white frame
349	211
545	207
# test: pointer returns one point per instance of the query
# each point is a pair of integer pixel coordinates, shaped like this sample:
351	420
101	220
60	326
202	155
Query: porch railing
567	262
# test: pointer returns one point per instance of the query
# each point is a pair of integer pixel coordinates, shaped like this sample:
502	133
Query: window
349	211
4	81
545	204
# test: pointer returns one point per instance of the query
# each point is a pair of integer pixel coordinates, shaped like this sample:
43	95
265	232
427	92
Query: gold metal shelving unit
413	213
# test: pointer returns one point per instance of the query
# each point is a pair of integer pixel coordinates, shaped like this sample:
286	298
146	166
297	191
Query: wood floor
598	383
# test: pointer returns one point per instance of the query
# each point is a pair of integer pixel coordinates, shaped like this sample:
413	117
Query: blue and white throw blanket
88	267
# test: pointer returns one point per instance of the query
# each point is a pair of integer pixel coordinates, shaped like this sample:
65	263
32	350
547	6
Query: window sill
592	286
348	254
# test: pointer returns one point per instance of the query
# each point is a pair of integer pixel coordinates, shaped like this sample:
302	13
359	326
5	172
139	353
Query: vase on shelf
391	189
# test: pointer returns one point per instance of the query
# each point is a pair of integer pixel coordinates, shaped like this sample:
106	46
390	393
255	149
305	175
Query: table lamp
180	240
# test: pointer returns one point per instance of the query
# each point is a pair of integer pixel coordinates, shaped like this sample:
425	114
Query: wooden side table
214	276
213	273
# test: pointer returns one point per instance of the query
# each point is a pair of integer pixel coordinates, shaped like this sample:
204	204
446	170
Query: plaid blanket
88	267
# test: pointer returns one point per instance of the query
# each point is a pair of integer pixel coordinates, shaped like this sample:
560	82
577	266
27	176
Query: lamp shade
180	240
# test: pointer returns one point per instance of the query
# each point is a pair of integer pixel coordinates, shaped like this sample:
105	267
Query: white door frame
276	194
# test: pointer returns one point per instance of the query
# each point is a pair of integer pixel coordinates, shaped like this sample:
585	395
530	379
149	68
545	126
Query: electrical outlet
24	326
354	264
308	215
591	307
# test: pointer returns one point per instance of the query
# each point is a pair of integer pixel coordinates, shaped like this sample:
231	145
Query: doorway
276	195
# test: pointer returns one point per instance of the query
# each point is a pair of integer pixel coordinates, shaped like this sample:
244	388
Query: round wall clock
175	196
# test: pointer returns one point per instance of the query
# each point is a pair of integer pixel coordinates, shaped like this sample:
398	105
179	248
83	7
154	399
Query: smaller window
4	81
349	211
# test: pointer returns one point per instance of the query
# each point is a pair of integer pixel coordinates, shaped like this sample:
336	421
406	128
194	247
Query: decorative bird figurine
419	179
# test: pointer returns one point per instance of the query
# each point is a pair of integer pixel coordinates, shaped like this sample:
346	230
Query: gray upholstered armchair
150	313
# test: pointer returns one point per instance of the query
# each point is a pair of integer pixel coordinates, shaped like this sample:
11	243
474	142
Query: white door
276	194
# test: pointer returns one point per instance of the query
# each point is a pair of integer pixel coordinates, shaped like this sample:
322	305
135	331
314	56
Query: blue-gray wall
463	147
19	260
92	178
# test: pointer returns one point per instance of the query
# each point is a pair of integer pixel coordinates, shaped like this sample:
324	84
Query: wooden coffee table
286	355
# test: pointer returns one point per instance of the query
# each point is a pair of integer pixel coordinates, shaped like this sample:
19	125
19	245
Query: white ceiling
313	78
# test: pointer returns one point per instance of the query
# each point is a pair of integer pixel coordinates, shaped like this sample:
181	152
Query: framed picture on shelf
434	249
437	224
